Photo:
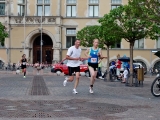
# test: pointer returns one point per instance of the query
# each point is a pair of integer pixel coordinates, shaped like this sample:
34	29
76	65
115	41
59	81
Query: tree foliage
3	34
149	8
134	26
88	34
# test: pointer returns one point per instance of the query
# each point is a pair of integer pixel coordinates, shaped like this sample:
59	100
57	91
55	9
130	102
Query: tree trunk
108	63
131	64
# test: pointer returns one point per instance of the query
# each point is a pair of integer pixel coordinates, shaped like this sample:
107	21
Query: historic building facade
61	19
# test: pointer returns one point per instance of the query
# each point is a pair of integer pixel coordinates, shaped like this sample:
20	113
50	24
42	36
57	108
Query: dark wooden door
47	54
47	51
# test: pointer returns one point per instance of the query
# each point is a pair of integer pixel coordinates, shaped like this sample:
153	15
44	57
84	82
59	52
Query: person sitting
112	69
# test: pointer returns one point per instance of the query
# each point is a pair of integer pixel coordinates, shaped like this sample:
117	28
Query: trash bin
140	74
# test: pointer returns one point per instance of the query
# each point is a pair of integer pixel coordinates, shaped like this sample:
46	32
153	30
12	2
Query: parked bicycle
2	66
152	71
155	87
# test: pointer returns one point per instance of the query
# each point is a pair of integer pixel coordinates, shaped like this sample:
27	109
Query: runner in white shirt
73	56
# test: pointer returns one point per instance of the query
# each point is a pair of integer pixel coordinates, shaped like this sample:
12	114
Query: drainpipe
9	17
60	32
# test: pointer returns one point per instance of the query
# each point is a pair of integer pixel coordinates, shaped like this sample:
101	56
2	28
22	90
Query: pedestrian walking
23	64
74	58
93	54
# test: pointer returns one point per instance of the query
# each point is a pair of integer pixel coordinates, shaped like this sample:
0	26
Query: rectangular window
46	10
39	10
94	1
71	31
70	37
139	44
21	1
71	11
115	4
2	8
70	40
71	1
21	10
117	45
116	1
21	7
158	42
40	1
93	10
43	7
47	1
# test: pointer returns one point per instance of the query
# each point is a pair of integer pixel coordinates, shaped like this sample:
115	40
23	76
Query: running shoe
74	91
91	90
65	81
24	76
101	78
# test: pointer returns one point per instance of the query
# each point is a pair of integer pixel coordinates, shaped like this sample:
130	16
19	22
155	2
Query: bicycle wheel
155	88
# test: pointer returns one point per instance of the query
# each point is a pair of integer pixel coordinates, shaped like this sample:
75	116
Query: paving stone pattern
38	86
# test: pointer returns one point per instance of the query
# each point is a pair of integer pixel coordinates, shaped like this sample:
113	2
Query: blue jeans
99	73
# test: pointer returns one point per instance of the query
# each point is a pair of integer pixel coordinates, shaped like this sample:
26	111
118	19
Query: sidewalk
27	99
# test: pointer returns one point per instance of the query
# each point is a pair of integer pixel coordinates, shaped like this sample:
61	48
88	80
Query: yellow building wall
3	55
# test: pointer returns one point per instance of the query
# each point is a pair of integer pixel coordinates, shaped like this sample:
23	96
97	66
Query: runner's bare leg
77	80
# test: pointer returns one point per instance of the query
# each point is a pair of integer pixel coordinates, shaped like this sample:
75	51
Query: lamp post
24	51
41	43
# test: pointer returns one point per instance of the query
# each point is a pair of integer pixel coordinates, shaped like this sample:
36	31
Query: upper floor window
71	8
117	45
115	4
2	7
158	42
94	1
43	7
21	1
71	1
70	37
21	7
139	44
93	8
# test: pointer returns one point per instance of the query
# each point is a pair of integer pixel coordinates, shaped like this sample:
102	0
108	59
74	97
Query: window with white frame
70	37
139	44
115	4
43	7
2	7
71	8
158	42
93	8
21	7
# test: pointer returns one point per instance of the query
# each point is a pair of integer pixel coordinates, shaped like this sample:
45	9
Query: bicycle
155	87
2	67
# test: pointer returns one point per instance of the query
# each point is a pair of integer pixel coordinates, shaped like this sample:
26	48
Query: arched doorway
47	49
156	65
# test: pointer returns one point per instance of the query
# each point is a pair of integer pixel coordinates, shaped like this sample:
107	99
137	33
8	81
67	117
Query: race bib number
24	63
93	60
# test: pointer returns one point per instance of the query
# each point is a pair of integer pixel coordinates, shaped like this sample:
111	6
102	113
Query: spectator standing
118	64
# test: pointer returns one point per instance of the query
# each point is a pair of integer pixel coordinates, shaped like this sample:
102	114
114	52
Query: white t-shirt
74	53
125	73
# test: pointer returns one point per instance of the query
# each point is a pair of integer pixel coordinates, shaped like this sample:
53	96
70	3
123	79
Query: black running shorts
71	70
23	66
94	66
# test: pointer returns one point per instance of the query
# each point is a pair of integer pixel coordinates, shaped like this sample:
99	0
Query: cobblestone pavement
110	101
